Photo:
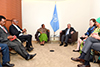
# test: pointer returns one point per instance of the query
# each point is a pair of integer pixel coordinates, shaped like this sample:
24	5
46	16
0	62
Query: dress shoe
76	50
29	49
30	56
66	45
8	65
61	44
32	47
82	65
78	59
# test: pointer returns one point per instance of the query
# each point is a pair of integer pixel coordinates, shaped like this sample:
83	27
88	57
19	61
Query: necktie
5	30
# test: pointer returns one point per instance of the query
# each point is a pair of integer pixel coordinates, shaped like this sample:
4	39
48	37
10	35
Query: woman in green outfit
43	34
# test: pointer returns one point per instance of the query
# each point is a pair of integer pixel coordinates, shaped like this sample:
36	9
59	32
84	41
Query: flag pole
54	32
54	36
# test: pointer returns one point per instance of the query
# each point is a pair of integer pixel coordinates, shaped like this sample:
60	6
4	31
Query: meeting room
49	33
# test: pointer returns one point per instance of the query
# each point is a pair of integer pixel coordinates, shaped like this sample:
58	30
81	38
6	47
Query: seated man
14	29
43	34
12	41
92	42
68	32
6	58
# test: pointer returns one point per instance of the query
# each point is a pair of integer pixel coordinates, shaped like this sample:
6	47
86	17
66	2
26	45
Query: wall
11	9
95	8
76	12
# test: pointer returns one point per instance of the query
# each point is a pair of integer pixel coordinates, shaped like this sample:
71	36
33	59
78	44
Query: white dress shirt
67	31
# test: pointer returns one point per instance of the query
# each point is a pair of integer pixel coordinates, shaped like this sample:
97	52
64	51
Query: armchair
73	38
37	36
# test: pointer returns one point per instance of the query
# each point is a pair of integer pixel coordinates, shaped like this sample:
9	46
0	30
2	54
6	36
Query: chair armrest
62	33
74	36
48	35
36	35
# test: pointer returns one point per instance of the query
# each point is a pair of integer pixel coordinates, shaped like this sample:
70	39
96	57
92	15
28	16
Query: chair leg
13	53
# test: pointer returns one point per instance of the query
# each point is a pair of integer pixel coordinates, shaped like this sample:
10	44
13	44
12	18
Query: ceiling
44	0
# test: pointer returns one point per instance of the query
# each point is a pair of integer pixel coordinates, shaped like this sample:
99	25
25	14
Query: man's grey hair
69	24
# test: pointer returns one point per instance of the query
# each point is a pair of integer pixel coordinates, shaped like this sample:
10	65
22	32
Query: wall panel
11	9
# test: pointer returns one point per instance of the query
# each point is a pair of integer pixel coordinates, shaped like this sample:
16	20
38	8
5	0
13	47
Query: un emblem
55	19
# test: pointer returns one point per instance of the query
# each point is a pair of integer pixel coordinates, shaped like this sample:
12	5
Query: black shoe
66	45
8	65
61	44
32	47
76	50
30	56
29	49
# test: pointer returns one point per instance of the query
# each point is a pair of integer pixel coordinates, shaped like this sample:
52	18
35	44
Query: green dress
43	36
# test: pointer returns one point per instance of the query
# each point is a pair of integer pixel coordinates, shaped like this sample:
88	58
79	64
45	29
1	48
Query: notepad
13	38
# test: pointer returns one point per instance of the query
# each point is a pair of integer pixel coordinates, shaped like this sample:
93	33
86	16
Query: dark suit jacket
3	35
14	31
71	29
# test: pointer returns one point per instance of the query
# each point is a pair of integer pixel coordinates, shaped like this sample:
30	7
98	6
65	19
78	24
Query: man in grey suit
12	41
92	42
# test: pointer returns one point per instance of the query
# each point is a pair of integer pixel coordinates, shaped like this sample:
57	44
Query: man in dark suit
12	41
68	32
14	29
6	58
